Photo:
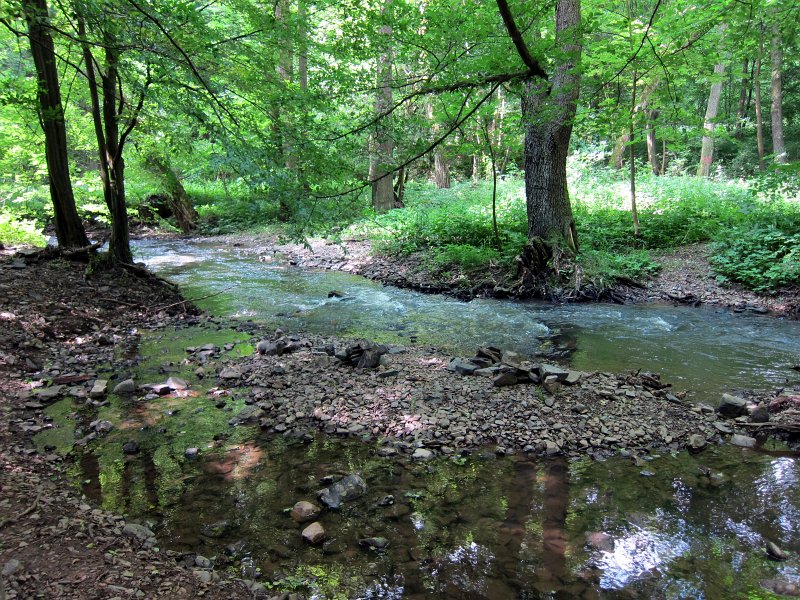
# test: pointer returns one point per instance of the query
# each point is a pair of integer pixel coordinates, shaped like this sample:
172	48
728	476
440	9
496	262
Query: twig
192	300
131	304
25	512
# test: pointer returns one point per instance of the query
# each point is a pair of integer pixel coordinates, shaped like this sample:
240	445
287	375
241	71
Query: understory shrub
762	259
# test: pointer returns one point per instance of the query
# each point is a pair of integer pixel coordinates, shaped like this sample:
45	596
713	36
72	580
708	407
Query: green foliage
604	268
15	231
763	259
451	221
225	208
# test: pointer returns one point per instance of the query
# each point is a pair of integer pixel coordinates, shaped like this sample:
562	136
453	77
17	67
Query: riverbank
685	277
63	331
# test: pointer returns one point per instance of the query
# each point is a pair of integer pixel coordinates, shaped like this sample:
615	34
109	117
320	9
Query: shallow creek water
481	527
706	351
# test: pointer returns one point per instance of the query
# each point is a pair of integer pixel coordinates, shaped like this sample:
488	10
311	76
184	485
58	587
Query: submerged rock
774	552
349	488
303	512
374	543
314	534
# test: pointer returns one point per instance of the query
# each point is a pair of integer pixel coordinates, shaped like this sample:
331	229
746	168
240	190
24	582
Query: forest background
569	137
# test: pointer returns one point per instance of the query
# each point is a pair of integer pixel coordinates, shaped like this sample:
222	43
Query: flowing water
477	527
705	351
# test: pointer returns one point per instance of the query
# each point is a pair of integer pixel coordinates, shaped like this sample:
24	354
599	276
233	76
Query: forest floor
52	312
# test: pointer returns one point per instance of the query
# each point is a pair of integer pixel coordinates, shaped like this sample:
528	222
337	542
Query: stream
473	527
705	351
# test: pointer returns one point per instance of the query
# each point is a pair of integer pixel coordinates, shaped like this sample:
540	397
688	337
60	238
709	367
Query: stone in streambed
125	387
774	552
176	384
349	488
314	534
303	511
504	379
99	388
374	543
696	443
743	441
732	406
462	367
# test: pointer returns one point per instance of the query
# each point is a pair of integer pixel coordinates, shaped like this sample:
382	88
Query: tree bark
741	111
617	158
109	141
652	151
69	228
776	112
548	127
382	184
707	150
178	199
759	115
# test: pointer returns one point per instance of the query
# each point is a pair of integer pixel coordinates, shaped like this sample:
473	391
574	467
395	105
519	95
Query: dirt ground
52	543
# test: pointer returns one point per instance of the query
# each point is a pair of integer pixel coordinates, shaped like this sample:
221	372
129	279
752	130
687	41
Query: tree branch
522	49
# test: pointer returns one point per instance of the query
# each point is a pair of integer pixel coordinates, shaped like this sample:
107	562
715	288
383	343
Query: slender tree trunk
652	147
632	178
548	127
741	111
69	229
776	113
663	157
707	150
441	170
759	115
382	186
302	59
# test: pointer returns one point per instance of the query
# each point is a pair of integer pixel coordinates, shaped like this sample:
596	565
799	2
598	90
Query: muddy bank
685	277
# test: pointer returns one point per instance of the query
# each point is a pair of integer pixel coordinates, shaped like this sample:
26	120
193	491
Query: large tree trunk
178	199
441	170
382	186
707	150
776	57
548	127
69	229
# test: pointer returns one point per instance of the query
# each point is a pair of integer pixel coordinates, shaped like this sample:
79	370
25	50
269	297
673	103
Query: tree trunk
618	153
69	229
652	151
741	111
759	115
632	165
707	150
178	199
109	142
548	127
776	57
441	170
382	186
